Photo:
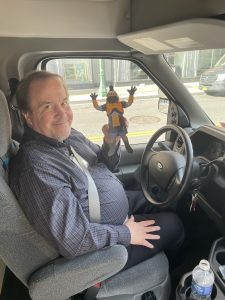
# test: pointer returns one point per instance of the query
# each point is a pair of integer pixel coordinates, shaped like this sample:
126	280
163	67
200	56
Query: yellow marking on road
98	138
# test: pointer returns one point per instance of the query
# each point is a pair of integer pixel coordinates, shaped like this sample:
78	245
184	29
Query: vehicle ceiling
30	29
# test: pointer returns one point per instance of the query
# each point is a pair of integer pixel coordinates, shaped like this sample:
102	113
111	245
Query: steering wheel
165	173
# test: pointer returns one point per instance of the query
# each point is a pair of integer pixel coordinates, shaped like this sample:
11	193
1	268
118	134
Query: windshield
221	62
199	72
84	76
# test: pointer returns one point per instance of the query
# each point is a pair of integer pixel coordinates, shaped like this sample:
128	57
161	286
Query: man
52	189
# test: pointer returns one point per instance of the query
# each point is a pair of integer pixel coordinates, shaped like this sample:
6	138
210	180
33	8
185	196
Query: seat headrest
5	125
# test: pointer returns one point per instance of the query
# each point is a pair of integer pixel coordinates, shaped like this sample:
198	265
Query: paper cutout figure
115	110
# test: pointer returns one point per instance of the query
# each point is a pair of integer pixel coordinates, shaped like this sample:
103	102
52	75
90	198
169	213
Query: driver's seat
51	277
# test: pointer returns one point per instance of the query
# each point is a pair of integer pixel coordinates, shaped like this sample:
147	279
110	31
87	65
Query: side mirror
163	106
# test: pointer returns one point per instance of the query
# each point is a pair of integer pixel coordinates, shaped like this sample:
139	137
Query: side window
203	73
86	76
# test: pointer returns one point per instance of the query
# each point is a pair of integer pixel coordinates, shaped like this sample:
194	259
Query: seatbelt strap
93	197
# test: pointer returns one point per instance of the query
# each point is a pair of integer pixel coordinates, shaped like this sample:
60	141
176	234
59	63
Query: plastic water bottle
202	281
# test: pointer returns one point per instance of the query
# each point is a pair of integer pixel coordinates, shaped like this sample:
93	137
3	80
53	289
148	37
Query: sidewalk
143	92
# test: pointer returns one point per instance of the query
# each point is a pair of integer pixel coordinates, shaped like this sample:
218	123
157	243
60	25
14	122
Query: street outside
143	116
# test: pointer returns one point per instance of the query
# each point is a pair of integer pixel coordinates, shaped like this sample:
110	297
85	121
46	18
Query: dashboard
214	149
208	174
208	145
209	160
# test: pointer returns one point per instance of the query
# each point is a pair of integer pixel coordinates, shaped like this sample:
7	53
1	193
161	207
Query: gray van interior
142	31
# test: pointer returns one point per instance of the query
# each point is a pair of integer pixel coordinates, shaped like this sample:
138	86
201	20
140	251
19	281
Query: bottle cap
204	265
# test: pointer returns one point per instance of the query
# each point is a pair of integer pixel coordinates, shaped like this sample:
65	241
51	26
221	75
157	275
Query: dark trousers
171	229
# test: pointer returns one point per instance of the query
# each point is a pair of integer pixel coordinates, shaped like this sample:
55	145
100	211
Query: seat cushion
143	277
62	278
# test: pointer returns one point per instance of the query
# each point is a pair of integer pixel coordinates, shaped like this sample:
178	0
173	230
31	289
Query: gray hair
23	88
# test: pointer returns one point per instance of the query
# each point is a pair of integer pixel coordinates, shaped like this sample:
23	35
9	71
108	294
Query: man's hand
94	96
141	232
107	138
132	90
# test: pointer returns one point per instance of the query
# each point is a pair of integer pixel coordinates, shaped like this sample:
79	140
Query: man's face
50	113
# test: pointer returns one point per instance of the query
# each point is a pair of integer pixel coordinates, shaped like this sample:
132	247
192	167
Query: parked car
93	44
212	81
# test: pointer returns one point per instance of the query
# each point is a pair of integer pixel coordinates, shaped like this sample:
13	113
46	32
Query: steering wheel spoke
179	176
147	157
165	173
157	194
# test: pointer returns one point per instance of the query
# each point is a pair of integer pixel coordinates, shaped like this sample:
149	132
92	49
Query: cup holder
217	262
184	289
220	257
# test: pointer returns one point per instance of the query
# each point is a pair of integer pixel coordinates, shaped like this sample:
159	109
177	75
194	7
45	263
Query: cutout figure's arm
131	96
95	102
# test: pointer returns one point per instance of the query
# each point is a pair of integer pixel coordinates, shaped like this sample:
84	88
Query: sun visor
179	36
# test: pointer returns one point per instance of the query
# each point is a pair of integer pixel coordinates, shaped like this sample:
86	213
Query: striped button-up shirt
53	193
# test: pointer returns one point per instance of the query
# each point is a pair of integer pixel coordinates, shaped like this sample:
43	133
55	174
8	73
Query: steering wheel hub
165	173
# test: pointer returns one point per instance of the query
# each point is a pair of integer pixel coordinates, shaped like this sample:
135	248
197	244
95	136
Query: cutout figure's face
112	99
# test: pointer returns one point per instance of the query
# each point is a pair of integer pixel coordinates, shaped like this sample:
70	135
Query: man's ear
27	119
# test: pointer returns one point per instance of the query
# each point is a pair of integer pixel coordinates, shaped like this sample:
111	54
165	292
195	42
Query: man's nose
59	110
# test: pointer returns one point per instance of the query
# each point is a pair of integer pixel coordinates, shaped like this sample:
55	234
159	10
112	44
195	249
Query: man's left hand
107	138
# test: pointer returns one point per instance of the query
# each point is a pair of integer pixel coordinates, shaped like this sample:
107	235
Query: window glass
203	73
86	76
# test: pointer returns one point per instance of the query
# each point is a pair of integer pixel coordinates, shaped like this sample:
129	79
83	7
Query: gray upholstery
148	275
21	248
6	128
50	277
63	278
16	119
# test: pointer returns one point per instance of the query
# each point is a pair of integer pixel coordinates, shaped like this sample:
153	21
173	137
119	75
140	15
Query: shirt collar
30	134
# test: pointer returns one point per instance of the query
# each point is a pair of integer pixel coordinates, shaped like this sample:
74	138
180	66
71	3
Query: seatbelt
93	197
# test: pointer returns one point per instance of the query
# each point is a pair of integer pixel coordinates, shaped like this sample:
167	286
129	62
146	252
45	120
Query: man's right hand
141	232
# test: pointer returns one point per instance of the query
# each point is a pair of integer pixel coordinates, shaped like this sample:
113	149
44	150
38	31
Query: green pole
102	88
